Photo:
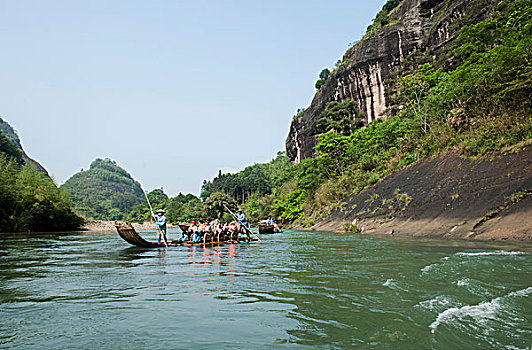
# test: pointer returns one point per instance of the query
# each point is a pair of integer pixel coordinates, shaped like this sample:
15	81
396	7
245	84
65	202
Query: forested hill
11	135
104	192
29	199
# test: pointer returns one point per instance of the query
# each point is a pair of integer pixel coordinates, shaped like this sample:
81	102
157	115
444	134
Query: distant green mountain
104	192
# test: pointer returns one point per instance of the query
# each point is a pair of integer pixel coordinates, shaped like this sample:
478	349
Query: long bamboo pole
241	224
159	232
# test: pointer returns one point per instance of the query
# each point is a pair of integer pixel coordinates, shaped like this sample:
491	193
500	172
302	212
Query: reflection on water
294	289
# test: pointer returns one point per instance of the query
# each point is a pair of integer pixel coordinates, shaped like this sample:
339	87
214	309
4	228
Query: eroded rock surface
450	197
422	26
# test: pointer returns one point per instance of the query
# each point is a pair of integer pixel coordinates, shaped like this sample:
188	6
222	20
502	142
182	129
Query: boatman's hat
160	211
239	210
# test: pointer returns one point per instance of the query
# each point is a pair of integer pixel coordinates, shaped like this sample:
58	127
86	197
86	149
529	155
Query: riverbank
100	225
450	196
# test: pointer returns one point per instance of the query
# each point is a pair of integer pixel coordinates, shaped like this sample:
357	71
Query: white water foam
521	293
498	252
389	282
463	282
481	313
428	268
438	302
431	266
392	284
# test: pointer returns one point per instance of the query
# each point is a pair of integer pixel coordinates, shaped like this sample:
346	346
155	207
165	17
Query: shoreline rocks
451	196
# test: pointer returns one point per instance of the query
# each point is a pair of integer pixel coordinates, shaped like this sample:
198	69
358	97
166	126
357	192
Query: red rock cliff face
423	26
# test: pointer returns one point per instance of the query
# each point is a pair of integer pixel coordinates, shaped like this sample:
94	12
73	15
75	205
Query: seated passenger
274	223
192	229
207	230
232	229
197	235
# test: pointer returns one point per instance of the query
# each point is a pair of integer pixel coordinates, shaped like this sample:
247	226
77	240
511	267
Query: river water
292	290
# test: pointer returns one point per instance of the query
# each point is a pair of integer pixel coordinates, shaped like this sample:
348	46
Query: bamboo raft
265	228
128	234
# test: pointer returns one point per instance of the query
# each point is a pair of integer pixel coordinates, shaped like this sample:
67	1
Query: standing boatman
242	218
161	224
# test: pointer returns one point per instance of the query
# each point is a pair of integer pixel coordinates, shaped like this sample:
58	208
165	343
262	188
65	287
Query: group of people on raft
271	221
198	231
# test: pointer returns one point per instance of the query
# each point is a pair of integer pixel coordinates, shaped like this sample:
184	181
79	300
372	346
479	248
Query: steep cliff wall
416	26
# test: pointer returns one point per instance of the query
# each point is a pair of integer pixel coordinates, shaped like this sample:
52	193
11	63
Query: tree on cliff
343	117
324	74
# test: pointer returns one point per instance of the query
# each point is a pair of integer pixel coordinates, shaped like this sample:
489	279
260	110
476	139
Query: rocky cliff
416	28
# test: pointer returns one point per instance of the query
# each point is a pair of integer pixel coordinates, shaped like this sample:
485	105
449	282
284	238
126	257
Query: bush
30	201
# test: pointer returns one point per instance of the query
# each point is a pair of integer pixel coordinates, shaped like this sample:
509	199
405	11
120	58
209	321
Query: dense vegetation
29	199
184	208
253	181
10	149
479	104
104	192
255	186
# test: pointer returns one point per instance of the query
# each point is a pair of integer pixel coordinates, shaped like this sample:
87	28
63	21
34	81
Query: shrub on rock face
324	74
343	117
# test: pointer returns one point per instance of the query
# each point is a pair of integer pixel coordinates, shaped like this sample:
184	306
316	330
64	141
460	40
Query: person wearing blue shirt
242	218
161	224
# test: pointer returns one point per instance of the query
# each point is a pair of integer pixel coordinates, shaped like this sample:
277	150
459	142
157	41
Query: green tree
183	208
292	207
324	74
35	202
216	203
8	192
158	198
11	149
343	117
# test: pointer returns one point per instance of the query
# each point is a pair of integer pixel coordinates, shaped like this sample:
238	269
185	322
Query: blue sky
172	91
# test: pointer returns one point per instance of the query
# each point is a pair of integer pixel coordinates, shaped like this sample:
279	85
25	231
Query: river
292	290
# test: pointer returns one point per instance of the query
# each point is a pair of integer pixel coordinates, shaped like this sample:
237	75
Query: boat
183	226
265	228
130	235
